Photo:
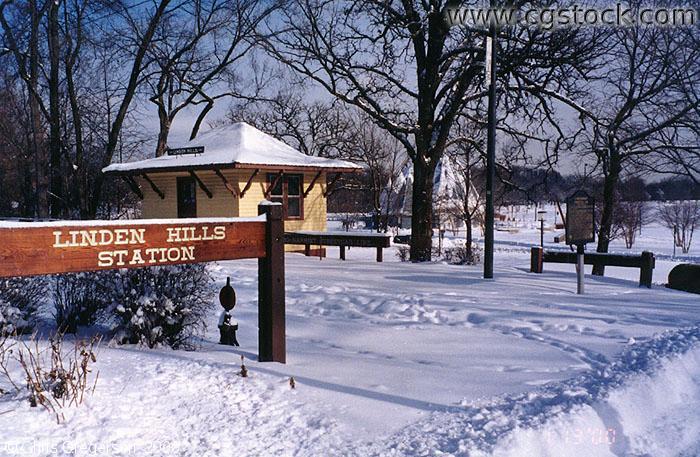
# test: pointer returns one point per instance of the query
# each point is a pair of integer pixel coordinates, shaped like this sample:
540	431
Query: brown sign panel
62	247
580	219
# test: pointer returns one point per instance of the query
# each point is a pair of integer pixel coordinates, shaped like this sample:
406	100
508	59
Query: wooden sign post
580	228
40	248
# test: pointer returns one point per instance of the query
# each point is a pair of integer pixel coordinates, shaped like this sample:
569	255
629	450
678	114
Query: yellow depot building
227	171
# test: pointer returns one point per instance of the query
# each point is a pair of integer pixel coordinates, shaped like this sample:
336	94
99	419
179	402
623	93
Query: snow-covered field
408	359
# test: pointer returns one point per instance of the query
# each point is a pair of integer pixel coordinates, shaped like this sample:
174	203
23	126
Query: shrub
403	253
161	305
459	255
57	377
19	299
79	298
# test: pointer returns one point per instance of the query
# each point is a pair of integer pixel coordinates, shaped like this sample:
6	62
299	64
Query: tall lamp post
490	148
540	217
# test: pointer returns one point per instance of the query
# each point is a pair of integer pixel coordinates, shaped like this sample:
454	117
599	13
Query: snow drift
644	403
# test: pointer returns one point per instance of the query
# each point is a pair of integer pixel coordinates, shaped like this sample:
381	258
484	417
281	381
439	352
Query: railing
342	239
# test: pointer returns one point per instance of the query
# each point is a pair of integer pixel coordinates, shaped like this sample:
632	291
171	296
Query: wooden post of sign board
271	306
536	259
646	271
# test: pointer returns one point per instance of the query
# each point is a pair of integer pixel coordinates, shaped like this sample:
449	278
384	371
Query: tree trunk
163	133
467	210
80	174
56	180
606	219
422	211
470	234
129	93
41	203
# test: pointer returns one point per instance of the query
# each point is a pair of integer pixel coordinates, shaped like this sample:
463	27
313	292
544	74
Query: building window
288	192
186	197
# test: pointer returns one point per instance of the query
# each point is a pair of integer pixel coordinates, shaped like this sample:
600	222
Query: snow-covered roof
238	145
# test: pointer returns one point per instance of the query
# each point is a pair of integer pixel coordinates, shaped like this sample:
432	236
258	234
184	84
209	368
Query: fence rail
644	261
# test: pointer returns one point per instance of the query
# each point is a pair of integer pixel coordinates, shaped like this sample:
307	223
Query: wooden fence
342	239
645	261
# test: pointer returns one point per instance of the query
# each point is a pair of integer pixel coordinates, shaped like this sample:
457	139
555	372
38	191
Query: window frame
285	197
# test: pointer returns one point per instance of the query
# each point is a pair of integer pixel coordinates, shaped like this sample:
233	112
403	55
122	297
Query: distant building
449	195
227	171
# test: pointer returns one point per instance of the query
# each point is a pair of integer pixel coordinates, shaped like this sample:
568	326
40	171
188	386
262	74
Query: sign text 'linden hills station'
137	236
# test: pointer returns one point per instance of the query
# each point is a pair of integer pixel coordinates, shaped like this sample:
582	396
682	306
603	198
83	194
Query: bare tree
194	54
400	63
55	47
683	217
318	128
637	101
22	40
629	220
383	158
469	164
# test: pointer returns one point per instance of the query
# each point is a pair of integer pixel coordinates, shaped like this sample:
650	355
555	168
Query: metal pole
490	156
579	264
542	233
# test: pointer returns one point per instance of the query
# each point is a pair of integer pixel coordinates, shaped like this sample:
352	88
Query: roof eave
224	166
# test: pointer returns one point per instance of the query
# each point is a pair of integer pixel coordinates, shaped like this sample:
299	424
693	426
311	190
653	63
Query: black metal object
227	330
227	296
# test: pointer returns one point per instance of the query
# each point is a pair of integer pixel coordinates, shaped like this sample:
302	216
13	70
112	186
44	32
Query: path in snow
400	340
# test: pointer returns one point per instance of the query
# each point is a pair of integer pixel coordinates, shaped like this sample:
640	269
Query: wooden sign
61	247
31	248
580	219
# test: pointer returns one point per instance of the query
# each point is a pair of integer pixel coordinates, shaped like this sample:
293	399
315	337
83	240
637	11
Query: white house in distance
227	171
449	194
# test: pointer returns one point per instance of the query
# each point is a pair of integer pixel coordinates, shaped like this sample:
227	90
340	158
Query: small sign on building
580	219
185	151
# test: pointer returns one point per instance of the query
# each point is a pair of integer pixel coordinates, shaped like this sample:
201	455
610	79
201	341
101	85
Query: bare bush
55	377
403	253
6	350
682	217
460	255
78	299
629	220
19	299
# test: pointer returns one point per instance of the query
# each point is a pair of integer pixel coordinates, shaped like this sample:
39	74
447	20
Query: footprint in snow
476	318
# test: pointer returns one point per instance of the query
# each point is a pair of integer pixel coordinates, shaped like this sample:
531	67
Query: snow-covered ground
407	359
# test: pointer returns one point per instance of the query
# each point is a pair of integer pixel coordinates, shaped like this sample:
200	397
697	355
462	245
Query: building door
186	197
